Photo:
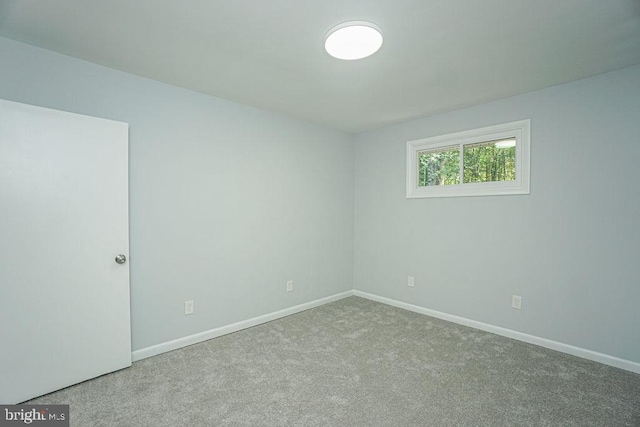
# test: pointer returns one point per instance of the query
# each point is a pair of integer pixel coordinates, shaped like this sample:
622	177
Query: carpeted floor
355	362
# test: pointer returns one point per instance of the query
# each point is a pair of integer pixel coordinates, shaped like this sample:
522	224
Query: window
480	162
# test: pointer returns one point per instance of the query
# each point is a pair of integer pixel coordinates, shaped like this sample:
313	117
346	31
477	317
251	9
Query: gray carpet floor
355	362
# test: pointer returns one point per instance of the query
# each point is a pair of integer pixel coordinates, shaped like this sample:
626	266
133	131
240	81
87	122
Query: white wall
227	202
570	248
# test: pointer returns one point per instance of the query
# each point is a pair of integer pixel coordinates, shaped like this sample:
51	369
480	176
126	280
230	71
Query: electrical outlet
411	282
516	302
188	307
289	285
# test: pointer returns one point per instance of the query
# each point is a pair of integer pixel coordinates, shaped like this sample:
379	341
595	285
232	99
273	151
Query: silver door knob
121	259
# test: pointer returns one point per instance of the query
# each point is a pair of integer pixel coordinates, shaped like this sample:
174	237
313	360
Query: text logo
36	415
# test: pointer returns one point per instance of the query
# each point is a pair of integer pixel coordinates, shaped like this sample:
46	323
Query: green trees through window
482	162
490	161
439	167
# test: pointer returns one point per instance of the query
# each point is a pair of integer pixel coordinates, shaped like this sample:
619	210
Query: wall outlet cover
516	302
188	307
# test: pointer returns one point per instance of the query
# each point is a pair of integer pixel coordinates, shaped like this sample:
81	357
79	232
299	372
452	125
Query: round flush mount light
353	40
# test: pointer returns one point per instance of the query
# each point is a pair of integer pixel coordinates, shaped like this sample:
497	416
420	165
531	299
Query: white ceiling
438	55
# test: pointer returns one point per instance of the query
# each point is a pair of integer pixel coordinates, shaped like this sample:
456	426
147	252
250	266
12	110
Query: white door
64	301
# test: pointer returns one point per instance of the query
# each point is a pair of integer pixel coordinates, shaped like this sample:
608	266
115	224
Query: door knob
121	259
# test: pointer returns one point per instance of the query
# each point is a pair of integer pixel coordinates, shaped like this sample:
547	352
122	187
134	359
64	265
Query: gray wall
569	248
227	202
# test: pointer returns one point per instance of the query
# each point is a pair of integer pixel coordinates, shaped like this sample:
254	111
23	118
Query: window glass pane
439	167
490	161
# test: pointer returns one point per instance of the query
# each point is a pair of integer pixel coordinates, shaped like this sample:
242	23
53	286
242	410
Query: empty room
319	213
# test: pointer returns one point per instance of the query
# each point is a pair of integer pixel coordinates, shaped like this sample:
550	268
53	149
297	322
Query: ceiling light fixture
353	40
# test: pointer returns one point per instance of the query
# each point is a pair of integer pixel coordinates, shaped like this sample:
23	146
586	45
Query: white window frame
520	130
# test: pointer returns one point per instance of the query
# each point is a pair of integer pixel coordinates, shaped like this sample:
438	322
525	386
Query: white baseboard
224	330
531	339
